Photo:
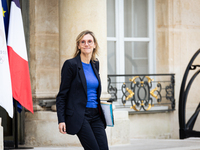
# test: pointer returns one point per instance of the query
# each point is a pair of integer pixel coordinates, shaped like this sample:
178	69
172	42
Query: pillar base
120	133
41	129
105	96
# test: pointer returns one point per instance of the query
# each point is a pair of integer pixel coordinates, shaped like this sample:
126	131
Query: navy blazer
72	97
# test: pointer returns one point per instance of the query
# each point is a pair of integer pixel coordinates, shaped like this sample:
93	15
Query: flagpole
16	126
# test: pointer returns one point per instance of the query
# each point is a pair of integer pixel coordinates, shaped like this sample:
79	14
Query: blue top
92	85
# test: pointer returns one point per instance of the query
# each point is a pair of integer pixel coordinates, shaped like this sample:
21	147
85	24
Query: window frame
120	39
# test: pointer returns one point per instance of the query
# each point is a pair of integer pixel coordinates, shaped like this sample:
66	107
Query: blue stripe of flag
17	3
5	16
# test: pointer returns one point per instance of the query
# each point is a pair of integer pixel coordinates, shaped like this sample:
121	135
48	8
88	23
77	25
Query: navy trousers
92	134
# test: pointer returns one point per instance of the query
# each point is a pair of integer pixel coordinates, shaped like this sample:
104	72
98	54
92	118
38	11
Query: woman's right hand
62	128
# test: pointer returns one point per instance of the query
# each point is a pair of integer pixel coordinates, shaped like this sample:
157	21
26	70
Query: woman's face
86	44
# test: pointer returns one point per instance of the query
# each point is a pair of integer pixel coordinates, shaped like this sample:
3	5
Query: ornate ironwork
142	92
112	90
186	129
170	92
142	100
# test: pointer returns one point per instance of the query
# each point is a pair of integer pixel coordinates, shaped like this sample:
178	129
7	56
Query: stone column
1	136
44	49
79	15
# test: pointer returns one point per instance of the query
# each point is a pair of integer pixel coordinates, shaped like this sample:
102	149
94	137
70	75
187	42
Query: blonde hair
78	39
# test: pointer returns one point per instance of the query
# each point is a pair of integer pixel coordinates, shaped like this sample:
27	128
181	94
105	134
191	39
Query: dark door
9	128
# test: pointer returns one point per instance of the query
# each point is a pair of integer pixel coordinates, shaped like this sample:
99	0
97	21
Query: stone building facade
51	31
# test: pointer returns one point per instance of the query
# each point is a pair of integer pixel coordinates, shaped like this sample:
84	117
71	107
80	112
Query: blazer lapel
97	75
95	70
81	74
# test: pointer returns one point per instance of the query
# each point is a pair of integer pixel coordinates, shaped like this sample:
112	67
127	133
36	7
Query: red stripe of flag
21	85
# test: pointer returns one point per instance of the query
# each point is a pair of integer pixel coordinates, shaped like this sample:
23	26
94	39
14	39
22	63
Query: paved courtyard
145	144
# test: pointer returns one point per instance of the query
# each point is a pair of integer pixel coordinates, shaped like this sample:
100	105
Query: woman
78	101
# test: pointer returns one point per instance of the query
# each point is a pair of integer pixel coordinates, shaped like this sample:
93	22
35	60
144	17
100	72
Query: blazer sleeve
66	79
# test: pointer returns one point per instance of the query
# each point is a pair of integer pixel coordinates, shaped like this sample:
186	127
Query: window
130	36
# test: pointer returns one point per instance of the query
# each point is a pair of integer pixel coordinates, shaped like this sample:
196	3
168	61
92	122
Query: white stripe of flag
6	100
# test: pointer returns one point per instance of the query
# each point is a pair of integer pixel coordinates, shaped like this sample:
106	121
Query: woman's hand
62	128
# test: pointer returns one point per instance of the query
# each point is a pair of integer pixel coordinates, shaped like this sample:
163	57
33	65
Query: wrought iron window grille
142	92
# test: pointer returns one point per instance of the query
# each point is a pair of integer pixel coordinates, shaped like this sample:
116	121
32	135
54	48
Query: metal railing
142	92
186	126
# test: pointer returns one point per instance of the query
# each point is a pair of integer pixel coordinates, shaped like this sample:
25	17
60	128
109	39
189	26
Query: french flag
18	60
5	80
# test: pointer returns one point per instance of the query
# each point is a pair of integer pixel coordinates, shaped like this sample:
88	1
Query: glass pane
136	18
137	49
111	57
140	66
136	57
110	18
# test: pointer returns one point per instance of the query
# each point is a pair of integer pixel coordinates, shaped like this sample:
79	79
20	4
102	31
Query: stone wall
178	36
151	126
